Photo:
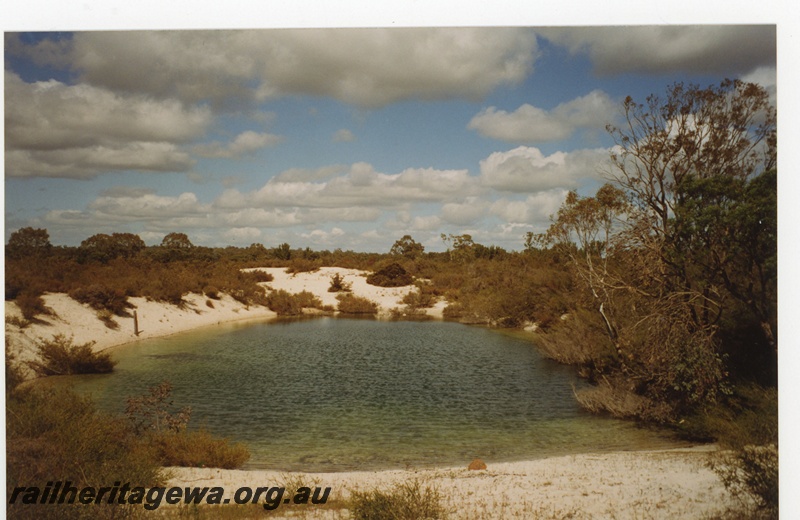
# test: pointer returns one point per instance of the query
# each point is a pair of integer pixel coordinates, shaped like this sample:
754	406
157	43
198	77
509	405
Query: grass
405	501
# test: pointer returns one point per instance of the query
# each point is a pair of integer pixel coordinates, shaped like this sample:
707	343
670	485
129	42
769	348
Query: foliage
406	501
176	241
751	474
198	449
31	305
56	435
152	411
27	242
59	356
283	252
407	247
287	304
393	275
303	265
103	248
339	285
99	297
686	228
350	304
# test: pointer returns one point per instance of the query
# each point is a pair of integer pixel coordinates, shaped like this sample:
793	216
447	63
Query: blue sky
333	138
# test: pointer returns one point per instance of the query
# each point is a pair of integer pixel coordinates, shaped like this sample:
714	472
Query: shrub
339	285
99	297
211	292
55	435
406	501
350	304
198	449
60	357
423	297
31	305
107	318
259	276
751	474
393	275
302	265
287	304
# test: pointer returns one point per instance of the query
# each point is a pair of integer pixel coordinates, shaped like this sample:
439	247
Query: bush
31	305
101	298
339	285
198	449
287	304
60	357
751	474
259	276
406	501
303	265
350	304
393	275
56	435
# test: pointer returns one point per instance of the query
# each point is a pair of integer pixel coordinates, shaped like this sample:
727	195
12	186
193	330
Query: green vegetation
405	501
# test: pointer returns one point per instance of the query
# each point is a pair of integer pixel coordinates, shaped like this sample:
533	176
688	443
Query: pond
333	394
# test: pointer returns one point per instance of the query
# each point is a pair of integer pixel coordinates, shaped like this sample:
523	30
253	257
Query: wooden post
135	323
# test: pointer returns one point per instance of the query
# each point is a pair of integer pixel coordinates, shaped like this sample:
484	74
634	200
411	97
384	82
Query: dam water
333	394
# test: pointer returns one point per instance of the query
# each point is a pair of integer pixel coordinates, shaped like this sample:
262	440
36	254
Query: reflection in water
339	394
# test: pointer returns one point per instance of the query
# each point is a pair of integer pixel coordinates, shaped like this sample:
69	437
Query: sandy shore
157	319
662	484
667	484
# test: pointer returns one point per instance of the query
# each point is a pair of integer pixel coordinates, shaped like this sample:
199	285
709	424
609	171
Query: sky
334	137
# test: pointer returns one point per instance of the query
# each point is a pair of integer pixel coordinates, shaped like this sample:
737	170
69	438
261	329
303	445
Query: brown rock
477	464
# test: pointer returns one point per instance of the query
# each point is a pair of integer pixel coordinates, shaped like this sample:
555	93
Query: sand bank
646	484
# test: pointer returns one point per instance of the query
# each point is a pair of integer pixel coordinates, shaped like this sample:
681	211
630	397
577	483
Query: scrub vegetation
661	288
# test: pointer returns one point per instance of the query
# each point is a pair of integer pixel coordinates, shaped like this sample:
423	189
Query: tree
283	252
407	247
177	241
103	248
28	241
686	162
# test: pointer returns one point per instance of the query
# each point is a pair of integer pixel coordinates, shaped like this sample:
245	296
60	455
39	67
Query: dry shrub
287	304
393	275
405	501
259	276
350	304
31	305
198	449
616	401
423	298
580	339
303	265
56	435
60	357
339	285
751	476
100	297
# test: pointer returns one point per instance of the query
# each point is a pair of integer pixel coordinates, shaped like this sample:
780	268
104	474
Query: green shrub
393	275
350	304
59	356
406	501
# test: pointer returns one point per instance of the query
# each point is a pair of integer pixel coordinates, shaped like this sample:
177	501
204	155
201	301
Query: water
339	394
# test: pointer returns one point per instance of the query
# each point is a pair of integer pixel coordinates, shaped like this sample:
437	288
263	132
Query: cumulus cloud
245	143
365	67
527	169
534	209
464	213
242	235
529	124
663	49
80	131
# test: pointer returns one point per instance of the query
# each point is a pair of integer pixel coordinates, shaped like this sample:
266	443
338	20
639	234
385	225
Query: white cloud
343	135
527	169
663	49
529	124
245	143
57	130
242	235
463	213
365	67
535	209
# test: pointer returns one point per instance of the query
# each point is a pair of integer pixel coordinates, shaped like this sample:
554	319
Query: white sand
637	485
671	484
